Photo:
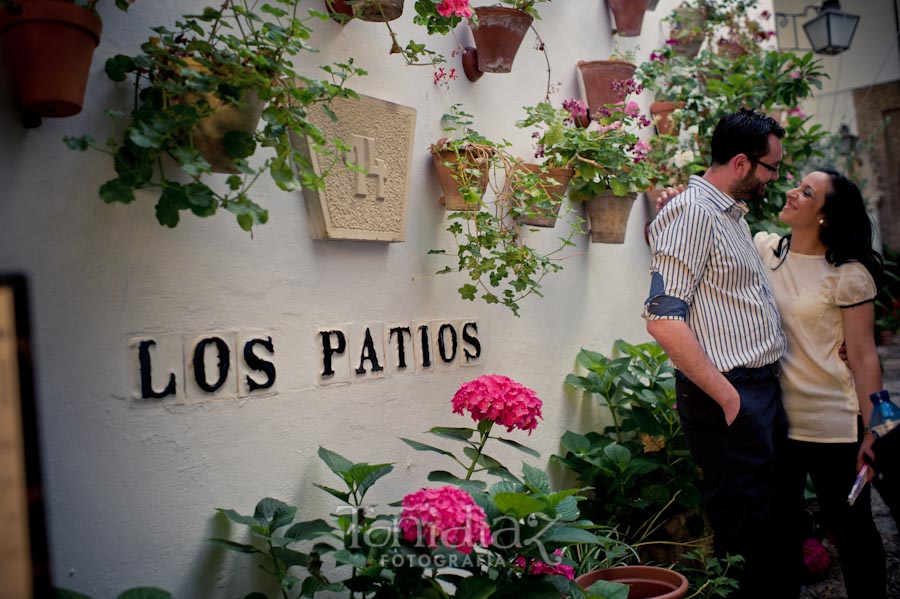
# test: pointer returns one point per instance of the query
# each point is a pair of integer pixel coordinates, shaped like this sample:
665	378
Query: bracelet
868	431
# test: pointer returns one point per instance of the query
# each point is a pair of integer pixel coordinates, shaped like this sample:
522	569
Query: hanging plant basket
447	164
556	190
499	34
628	15
662	109
378	11
596	79
645	582
608	214
48	49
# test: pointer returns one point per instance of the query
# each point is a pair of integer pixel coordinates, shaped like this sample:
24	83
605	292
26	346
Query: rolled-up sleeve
681	238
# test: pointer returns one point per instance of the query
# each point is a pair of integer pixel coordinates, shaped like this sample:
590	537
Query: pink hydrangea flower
458	8
538	567
501	400
448	514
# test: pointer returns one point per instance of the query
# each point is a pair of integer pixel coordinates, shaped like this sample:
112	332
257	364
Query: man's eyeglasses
769	167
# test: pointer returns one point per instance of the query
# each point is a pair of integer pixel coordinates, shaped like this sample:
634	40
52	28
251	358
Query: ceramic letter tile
331	346
367	354
447	344
472	346
423	341
260	365
218	379
164	355
400	349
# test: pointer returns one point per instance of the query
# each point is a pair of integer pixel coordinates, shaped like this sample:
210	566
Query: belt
741	374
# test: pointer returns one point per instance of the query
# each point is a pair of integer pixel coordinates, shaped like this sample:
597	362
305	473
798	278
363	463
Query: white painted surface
131	493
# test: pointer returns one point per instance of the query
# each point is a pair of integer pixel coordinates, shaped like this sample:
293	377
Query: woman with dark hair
824	276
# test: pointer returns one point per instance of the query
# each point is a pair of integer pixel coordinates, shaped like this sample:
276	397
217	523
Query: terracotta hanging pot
546	217
596	81
662	110
339	10
499	34
731	49
645	582
690	32
48	49
209	133
628	15
446	164
378	11
608	214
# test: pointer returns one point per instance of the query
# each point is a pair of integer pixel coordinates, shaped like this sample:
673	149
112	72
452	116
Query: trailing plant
228	56
638	466
490	246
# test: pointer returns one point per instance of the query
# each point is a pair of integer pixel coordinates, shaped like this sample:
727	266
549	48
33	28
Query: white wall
871	59
131	491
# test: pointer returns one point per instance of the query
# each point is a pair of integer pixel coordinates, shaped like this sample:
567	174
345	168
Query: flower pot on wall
48	48
499	34
731	49
378	11
608	215
339	10
645	582
446	164
628	15
596	81
662	110
689	32
546	217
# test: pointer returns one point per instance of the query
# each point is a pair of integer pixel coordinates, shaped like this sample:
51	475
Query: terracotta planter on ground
452	198
645	582
608	215
378	11
628	15
499	34
662	109
596	78
546	217
49	48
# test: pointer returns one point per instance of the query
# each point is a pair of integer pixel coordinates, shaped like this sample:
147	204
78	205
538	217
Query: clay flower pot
608	215
499	34
628	15
662	109
339	10
596	79
689	43
546	217
446	164
645	582
378	11
48	48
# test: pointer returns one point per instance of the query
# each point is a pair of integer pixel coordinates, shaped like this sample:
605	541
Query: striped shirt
706	271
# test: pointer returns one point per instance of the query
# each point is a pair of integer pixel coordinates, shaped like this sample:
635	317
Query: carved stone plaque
368	202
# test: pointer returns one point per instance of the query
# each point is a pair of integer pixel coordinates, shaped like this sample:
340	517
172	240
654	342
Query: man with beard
711	309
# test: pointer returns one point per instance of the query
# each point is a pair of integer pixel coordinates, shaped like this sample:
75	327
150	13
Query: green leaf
239	547
238	518
467	292
239	144
167	209
274	513
342	495
337	463
115	190
309	530
365	475
607	589
290	557
312	585
575	443
67	594
471	486
423	447
78	143
536	478
569	535
345	557
456	433
519	446
518	504
117	67
475	587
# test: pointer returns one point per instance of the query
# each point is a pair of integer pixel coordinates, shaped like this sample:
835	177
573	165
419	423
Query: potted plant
600	81
229	58
629	16
45	85
608	159
487	230
498	32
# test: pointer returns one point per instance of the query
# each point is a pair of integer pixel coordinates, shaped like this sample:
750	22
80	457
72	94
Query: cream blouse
819	395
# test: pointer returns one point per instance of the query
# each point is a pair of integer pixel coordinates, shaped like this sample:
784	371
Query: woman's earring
821	221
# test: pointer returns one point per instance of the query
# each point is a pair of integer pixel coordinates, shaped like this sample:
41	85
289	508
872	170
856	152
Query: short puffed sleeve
765	245
854	286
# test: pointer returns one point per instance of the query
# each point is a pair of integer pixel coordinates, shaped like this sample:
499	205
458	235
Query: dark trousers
738	464
832	470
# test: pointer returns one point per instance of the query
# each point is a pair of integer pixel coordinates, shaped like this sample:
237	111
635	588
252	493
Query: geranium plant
608	155
489	240
233	56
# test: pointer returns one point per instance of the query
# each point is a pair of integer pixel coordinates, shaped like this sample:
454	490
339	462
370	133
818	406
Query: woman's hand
667	194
